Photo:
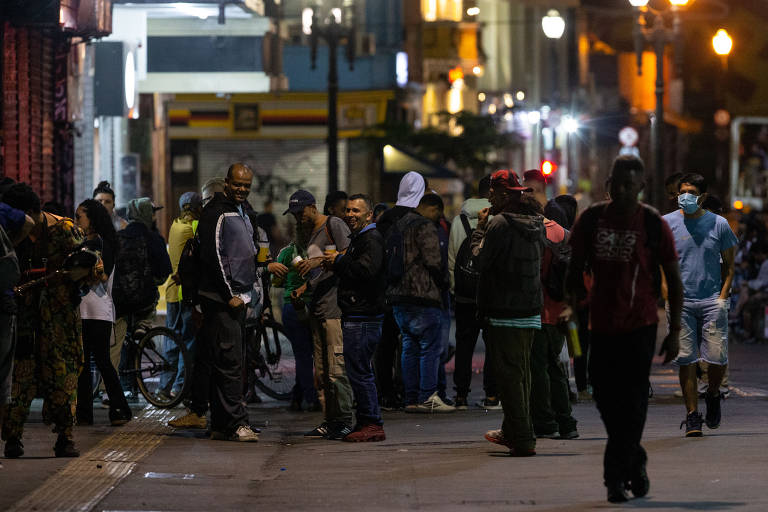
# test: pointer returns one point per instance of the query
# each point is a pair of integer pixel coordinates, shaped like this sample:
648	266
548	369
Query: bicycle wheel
276	366
157	366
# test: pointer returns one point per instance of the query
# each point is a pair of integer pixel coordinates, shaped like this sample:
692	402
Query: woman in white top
98	315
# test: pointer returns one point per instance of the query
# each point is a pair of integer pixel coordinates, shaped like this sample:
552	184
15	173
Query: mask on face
688	202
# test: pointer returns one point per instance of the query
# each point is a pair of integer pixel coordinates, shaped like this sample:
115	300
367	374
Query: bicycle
271	361
148	361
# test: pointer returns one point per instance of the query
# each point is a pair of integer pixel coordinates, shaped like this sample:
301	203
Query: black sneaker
692	425
617	493
460	402
639	484
338	432
14	448
713	416
319	432
65	447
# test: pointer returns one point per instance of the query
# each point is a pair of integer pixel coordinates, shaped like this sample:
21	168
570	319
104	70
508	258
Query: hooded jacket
361	275
227	251
141	210
424	278
408	196
507	254
470	208
411	190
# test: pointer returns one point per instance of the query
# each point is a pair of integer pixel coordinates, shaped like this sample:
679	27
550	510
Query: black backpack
189	270
465	277
554	280
134	286
395	248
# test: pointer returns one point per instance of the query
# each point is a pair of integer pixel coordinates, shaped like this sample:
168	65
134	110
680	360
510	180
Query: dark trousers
360	341
511	355
222	346
96	338
467	330
550	406
385	361
301	342
581	363
619	366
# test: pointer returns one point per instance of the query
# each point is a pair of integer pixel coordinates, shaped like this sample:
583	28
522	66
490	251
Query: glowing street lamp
638	3
722	43
553	24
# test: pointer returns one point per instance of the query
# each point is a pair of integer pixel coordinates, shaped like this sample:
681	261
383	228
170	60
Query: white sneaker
435	404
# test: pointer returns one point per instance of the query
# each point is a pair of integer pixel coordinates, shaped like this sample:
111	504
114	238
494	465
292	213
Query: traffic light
548	168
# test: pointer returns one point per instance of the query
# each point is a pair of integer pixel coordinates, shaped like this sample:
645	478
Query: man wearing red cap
507	253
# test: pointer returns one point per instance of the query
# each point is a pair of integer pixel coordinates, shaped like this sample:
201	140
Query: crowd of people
362	283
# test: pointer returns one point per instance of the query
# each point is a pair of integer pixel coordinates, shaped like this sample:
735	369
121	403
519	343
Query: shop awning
400	161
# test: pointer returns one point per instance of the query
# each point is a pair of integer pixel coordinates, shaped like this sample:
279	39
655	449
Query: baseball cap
535	175
156	207
192	199
506	178
298	201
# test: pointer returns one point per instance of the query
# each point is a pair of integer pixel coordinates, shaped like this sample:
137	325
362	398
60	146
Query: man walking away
507	254
464	290
624	242
179	312
228	272
329	236
706	247
361	298
416	281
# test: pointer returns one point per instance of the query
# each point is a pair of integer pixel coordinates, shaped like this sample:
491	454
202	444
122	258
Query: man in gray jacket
416	282
507	252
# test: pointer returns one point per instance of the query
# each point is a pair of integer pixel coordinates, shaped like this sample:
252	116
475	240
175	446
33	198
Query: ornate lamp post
336	26
658	36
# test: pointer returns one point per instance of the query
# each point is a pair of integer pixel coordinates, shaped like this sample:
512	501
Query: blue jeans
360	341
422	346
301	341
445	334
174	381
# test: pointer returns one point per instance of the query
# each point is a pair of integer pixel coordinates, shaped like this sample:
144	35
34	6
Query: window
442	10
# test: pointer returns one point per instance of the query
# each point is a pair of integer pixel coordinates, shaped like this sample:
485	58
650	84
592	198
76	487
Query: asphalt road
428	462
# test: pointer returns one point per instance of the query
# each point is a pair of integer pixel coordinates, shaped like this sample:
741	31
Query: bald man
228	273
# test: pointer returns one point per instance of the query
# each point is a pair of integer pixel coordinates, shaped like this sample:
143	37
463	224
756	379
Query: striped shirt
531	322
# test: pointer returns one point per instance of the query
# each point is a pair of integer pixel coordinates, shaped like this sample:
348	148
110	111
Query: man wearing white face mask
706	247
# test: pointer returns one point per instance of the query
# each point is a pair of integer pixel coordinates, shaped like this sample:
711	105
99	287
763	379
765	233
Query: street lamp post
336	28
658	37
553	26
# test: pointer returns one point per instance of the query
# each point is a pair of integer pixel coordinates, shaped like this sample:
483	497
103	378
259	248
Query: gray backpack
9	263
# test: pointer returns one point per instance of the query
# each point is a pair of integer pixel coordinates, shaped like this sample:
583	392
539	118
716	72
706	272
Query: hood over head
472	206
530	227
141	210
411	190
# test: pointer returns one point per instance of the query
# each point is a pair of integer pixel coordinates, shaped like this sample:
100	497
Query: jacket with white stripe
227	251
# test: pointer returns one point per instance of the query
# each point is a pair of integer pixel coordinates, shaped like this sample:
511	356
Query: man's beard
303	233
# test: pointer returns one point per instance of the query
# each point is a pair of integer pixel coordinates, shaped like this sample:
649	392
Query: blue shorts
703	332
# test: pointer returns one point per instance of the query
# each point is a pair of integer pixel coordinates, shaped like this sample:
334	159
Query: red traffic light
548	168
